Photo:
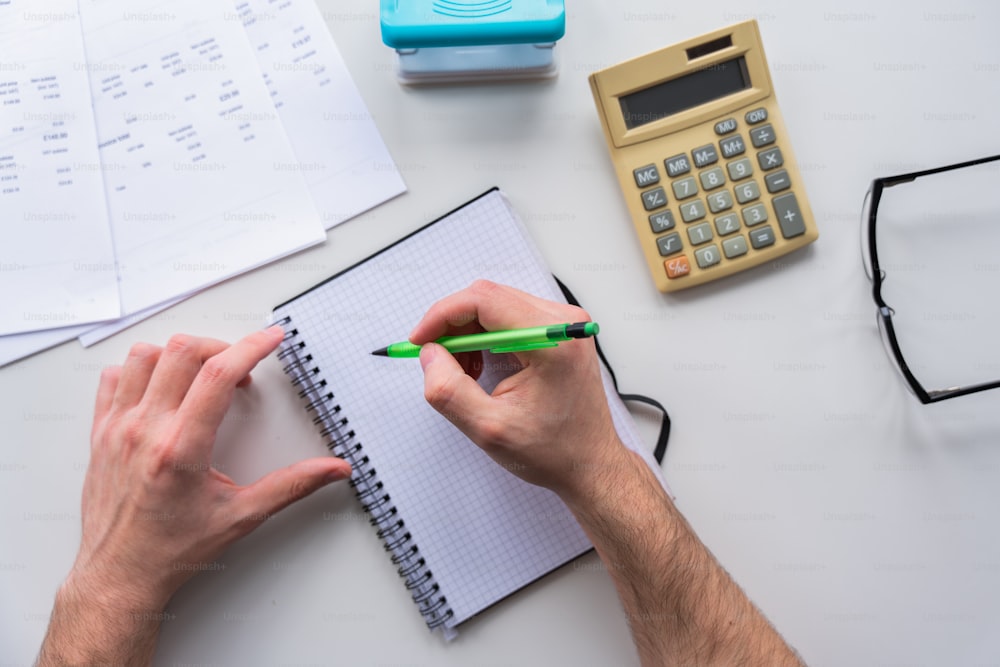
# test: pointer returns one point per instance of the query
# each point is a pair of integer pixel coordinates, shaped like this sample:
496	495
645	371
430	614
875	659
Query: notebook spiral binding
340	439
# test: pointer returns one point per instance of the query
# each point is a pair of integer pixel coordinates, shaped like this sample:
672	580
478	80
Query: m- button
705	155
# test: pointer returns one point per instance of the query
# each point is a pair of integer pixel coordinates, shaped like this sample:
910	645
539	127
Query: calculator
703	157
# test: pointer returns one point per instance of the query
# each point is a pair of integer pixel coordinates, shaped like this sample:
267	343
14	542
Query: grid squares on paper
483	532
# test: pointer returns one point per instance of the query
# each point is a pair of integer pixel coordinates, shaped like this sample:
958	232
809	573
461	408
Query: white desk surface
862	523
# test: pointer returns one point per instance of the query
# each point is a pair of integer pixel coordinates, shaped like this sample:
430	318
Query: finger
179	364
494	307
453	393
105	395
205	404
136	371
279	489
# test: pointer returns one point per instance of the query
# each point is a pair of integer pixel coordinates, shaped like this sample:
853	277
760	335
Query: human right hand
549	423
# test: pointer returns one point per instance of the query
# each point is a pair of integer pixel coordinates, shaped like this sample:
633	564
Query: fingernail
274	329
337	475
427	354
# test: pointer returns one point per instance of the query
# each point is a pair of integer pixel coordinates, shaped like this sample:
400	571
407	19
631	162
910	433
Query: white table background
862	523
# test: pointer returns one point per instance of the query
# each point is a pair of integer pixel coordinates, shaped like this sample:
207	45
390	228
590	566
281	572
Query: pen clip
523	347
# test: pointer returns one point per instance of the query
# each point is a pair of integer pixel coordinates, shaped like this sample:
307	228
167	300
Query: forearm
89	628
682	607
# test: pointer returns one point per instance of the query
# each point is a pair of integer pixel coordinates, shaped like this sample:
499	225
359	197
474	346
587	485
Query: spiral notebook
463	531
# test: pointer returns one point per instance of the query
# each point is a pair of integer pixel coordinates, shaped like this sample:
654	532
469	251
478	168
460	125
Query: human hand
155	511
549	423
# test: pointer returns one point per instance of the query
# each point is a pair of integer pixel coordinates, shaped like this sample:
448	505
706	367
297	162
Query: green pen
513	340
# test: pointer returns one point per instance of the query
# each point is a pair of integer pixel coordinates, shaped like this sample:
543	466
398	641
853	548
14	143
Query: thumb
452	392
279	489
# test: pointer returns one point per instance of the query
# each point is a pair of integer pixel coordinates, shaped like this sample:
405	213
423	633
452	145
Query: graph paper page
483	532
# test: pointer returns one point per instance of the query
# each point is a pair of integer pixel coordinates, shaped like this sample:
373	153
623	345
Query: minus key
778	181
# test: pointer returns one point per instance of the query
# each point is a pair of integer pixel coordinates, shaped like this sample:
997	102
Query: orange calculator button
677	267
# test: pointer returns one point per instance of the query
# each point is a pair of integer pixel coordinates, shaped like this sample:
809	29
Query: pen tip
384	352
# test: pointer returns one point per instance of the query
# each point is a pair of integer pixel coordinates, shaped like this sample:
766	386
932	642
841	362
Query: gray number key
727	224
754	215
786	207
746	192
707	257
685	187
700	233
740	168
719	201
712	178
693	210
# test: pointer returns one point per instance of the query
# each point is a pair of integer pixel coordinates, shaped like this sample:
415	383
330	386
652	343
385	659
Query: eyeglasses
877	276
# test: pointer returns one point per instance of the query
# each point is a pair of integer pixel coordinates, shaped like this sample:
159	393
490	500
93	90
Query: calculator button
778	181
669	244
739	169
677	165
754	215
700	233
707	257
725	126
677	267
694	210
747	191
786	207
712	178
727	224
756	116
705	155
762	136
685	187
661	222
720	201
763	237
648	175
655	198
734	247
770	159
732	146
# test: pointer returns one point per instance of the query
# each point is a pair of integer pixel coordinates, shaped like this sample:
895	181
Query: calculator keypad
717	194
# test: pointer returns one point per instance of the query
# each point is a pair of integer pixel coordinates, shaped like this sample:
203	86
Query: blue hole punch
446	41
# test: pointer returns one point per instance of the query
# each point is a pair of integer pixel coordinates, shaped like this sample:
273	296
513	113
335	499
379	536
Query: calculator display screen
685	92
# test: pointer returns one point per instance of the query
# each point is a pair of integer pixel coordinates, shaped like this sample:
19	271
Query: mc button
648	175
